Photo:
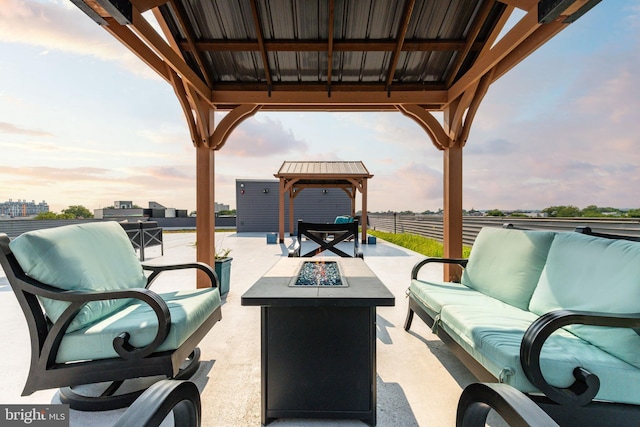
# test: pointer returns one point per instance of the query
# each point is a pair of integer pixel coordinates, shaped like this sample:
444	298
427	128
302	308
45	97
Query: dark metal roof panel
287	22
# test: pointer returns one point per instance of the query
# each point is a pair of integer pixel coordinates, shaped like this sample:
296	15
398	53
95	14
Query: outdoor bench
551	314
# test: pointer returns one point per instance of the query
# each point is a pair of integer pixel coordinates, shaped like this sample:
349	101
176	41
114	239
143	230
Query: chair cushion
493	335
343	219
593	274
506	263
93	256
434	295
188	308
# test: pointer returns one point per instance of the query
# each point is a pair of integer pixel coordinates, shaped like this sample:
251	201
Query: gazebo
408	56
351	177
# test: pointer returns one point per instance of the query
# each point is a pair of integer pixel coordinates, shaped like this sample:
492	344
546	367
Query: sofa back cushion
506	263
590	273
93	256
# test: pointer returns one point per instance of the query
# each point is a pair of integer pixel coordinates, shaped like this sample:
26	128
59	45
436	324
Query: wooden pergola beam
261	47
320	98
402	32
507	44
372	45
428	123
230	122
471	39
181	14
149	35
132	42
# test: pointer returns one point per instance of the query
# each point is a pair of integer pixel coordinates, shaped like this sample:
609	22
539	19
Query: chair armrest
121	343
294	251
357	250
30	288
586	386
157	269
416	268
152	407
512	405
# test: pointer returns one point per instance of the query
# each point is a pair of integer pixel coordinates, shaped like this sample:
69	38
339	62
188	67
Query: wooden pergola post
281	211
452	201
292	213
363	218
205	219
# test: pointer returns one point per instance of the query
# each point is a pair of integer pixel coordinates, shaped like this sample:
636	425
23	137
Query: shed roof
323	169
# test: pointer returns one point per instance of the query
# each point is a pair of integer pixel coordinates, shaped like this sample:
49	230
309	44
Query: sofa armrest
586	386
157	269
416	268
152	407
513	406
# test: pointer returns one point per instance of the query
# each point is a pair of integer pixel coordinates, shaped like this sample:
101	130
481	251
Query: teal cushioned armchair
92	317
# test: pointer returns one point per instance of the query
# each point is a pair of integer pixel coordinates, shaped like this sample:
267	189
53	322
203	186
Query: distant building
22	208
124	211
123	204
217	207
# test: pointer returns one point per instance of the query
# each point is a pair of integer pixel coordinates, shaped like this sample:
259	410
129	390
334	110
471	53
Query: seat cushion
493	335
506	263
94	256
434	295
593	274
188	308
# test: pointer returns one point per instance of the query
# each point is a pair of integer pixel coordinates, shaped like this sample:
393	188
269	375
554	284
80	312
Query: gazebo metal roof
411	56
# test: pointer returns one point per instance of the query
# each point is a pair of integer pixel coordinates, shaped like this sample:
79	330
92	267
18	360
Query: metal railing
431	225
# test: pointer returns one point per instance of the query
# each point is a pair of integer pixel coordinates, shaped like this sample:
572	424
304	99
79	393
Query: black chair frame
319	232
45	337
514	407
182	398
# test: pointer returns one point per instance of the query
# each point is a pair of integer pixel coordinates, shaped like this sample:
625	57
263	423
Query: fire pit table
318	332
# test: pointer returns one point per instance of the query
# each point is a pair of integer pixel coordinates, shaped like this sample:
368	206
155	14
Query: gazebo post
205	218
452	200
281	211
292	211
363	219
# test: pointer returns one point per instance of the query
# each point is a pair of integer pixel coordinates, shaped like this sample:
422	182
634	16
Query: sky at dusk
85	122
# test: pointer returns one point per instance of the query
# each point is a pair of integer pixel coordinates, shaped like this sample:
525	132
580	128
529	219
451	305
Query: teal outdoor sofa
93	319
555	315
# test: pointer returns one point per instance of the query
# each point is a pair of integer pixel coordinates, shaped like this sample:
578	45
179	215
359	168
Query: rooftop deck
419	380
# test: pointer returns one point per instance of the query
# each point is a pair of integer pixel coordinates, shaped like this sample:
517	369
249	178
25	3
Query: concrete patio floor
419	380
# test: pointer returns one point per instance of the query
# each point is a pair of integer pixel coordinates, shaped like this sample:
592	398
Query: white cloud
62	26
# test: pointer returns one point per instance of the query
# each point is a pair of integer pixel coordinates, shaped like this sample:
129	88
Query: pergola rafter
244	61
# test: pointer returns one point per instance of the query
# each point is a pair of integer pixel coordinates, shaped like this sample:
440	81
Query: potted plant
223	269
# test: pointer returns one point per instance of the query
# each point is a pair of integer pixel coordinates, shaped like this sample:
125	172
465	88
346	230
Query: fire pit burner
319	273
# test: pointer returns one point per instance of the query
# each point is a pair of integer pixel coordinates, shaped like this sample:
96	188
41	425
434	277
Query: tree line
72	212
570	211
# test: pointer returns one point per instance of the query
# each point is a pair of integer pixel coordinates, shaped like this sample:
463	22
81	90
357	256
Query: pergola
411	56
294	177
